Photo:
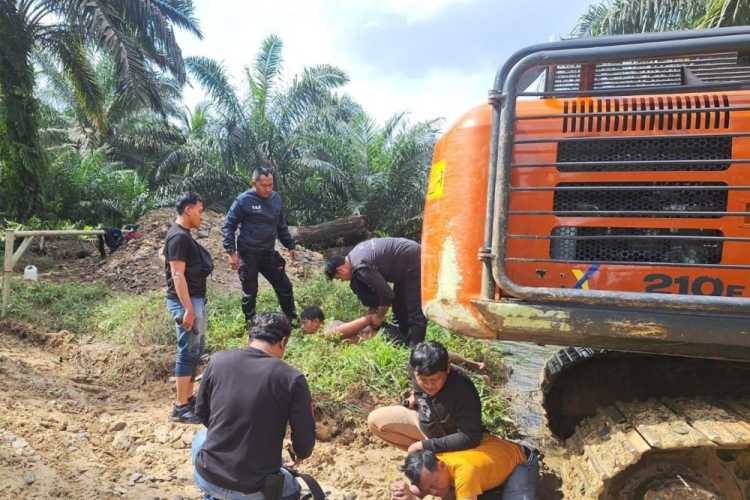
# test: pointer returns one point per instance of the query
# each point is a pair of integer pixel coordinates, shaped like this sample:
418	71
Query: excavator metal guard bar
522	69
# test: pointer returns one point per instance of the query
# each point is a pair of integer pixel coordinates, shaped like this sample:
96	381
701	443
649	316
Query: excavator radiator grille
607	244
709	153
643	199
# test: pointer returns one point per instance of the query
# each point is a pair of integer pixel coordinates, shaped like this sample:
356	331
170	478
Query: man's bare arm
352	328
177	268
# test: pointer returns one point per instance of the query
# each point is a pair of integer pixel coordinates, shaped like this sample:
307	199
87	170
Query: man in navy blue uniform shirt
258	212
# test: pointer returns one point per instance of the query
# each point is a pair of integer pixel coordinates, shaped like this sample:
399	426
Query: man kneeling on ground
246	398
361	329
494	470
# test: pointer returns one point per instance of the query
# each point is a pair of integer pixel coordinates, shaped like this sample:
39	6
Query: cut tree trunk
347	231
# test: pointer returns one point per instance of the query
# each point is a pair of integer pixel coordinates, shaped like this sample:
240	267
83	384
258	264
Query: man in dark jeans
246	399
370	266
187	265
258	212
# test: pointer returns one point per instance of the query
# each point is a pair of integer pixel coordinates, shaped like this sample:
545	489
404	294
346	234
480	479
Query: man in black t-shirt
187	265
246	400
444	412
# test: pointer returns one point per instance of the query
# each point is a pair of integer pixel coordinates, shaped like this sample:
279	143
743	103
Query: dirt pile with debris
77	428
138	265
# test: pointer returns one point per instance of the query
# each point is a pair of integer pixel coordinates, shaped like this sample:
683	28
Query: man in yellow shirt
496	469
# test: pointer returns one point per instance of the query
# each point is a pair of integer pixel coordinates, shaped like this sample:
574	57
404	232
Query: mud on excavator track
644	439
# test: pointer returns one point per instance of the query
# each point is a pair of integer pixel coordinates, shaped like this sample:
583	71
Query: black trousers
271	265
407	308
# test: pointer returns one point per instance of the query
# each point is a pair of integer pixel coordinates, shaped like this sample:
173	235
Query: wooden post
10	238
25	243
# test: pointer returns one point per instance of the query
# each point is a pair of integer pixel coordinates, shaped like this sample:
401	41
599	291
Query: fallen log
347	231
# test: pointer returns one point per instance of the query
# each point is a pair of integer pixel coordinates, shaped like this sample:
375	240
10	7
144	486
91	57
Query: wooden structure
12	257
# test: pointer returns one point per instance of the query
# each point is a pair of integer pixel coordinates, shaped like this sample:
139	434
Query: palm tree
263	125
138	35
615	17
126	128
196	164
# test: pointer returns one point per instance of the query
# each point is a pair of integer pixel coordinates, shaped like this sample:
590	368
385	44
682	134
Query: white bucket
29	273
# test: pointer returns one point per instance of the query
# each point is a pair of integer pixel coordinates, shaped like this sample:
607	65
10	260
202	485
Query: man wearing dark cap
246	399
370	266
258	213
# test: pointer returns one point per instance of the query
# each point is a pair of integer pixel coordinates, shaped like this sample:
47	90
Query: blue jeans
190	344
290	491
522	482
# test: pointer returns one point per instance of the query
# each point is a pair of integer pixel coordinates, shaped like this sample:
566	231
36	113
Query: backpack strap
316	492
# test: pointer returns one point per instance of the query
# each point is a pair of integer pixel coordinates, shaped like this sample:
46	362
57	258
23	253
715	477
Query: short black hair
333	263
312	312
187	199
262	170
429	357
414	463
271	327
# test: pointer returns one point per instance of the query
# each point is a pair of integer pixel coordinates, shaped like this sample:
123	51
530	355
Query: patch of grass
344	378
56	306
133	320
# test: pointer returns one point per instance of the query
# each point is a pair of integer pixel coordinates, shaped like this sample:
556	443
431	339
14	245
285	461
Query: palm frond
182	14
102	22
71	52
265	71
212	75
616	17
726	13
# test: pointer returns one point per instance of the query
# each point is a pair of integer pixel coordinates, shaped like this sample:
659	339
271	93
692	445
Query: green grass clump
133	320
55	306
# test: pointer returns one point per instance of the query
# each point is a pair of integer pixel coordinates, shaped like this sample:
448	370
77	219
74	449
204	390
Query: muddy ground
90	421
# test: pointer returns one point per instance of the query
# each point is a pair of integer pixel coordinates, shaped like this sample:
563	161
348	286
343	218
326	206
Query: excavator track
639	426
665	449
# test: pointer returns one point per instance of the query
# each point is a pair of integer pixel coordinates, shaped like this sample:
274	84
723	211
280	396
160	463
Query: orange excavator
601	202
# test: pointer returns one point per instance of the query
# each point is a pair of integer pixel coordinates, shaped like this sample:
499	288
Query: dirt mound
138	265
70	432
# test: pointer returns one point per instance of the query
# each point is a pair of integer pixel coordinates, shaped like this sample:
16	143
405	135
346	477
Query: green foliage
56	306
116	319
616	17
141	41
90	189
329	157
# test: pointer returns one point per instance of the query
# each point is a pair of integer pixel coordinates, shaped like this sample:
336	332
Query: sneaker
185	414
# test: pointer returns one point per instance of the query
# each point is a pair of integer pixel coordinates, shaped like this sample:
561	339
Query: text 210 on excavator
608	210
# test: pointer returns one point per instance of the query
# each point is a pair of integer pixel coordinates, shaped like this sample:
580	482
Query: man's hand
293	461
188	319
234	260
410	401
417	446
375	320
400	491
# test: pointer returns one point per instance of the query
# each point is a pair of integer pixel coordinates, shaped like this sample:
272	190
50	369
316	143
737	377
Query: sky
429	58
